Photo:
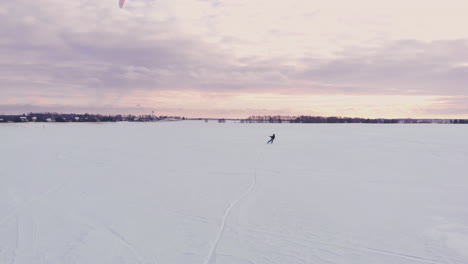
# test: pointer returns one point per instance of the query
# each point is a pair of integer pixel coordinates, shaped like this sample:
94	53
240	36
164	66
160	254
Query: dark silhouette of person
271	139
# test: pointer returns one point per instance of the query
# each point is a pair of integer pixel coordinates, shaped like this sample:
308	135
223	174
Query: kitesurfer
271	139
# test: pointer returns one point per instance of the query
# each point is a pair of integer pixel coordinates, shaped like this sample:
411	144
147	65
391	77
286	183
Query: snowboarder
271	140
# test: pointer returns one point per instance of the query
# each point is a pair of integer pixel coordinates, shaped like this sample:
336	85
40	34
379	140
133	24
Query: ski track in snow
312	243
129	245
30	201
13	258
395	254
210	258
238	260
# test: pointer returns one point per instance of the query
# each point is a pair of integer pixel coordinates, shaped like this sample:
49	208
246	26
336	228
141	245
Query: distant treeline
57	117
334	120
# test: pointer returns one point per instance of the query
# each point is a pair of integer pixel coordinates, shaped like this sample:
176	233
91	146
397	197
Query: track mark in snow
73	245
13	258
211	258
127	244
433	248
237	259
400	255
31	200
311	242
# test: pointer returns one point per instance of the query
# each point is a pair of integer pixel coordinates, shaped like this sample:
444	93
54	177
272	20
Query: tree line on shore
335	120
57	117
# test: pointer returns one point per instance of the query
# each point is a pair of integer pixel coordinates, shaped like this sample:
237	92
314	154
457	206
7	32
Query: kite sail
121	3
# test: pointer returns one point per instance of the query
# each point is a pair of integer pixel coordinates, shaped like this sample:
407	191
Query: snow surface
195	192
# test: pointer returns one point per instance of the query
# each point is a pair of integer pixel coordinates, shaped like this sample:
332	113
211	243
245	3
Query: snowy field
203	193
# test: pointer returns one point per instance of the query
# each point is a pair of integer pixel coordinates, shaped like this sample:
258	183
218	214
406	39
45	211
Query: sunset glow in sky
235	58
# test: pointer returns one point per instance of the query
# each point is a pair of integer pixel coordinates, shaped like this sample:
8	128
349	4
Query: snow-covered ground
203	193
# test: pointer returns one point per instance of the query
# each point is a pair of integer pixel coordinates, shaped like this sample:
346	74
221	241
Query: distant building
23	119
49	119
34	119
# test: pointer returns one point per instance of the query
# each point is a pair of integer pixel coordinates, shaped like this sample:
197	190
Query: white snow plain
204	193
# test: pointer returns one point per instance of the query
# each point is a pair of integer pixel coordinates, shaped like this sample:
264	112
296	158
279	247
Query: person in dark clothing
271	140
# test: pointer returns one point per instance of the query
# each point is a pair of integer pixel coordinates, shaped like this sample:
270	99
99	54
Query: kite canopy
121	3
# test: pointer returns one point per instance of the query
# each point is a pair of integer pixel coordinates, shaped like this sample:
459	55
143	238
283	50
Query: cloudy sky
235	58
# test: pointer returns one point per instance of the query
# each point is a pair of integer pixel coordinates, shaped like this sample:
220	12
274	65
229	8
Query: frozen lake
204	193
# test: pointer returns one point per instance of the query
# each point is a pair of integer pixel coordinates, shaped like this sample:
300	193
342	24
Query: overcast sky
235	58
